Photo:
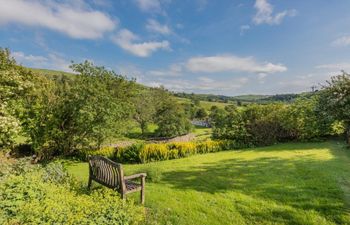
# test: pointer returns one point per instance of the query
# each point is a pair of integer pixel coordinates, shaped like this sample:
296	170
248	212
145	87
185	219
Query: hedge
143	153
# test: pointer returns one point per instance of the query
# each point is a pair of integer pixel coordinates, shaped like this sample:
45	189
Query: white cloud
222	63
302	83
173	70
264	13
201	84
23	58
243	29
261	76
59	63
74	19
154	26
206	79
335	66
102	3
51	61
149	5
342	41
126	40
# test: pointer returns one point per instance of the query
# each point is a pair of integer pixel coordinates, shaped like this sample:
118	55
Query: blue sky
228	47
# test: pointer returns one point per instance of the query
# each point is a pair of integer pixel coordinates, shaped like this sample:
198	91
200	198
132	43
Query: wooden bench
110	174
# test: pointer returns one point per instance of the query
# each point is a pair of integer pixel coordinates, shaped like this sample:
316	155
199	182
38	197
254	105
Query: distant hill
206	100
51	73
244	99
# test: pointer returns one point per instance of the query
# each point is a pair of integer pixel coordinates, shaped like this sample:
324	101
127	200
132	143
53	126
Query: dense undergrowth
48	195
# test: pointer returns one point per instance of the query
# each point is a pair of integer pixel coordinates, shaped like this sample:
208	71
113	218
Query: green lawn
295	183
205	104
202	133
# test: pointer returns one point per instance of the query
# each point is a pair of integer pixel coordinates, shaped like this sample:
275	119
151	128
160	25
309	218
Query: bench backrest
106	172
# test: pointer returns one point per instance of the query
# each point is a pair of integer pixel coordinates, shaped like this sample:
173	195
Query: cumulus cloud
200	84
149	5
265	13
126	40
51	61
173	70
222	63
335	66
72	19
154	26
23	58
342	41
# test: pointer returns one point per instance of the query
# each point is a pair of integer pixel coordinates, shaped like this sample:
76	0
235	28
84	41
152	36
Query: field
205	104
294	183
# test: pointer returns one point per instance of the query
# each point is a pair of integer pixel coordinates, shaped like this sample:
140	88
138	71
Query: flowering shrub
184	149
107	151
164	151
154	152
9	128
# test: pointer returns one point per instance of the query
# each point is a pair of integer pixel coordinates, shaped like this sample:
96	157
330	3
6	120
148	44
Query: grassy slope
51	73
205	104
295	183
250	98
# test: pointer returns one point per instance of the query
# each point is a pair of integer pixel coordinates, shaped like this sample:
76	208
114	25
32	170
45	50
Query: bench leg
123	195
143	179
89	183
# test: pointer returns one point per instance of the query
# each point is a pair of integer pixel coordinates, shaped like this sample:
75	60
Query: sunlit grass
294	183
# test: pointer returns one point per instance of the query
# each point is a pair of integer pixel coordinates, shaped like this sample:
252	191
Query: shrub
154	152
183	149
107	151
129	154
9	128
260	125
175	150
335	98
143	153
209	146
28	198
15	83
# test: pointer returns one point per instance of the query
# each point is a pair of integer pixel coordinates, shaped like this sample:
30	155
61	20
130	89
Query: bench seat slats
110	174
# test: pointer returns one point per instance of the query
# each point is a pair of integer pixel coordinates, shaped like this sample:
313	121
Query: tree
196	101
170	116
217	118
172	120
72	114
230	108
335	99
201	113
145	108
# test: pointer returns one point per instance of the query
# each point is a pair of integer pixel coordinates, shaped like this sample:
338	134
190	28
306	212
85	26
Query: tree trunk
143	128
348	133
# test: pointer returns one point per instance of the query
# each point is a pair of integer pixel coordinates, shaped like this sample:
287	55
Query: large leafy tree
145	108
335	99
170	116
78	112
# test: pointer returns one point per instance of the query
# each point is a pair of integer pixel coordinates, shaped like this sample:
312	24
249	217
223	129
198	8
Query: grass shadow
304	183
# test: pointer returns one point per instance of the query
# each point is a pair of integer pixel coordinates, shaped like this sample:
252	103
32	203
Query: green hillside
51	73
206	100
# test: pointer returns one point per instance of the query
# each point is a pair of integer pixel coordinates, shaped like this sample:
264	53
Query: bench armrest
139	175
